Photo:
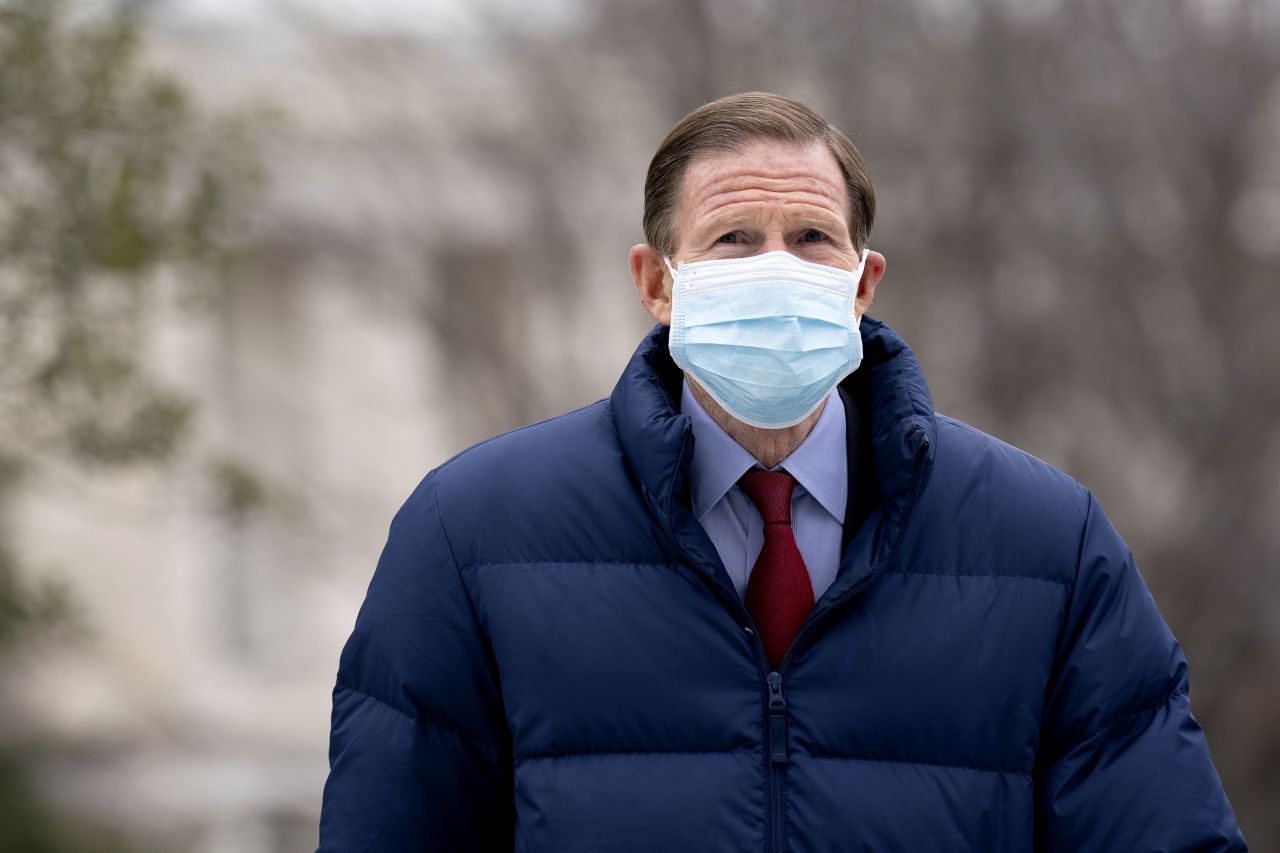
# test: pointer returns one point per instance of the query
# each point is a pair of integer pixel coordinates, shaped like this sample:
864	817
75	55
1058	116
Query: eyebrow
727	222
825	223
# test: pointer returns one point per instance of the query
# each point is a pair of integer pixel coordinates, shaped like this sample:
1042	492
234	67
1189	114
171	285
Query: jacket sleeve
419	754
1123	764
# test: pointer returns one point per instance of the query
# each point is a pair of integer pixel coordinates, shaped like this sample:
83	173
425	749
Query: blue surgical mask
768	336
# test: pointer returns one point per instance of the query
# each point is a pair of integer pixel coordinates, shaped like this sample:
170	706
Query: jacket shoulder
540	447
554	490
984	490
970	448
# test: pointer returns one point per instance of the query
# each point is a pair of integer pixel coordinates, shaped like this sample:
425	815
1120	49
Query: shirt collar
819	464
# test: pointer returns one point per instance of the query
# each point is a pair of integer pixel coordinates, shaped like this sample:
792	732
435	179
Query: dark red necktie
779	592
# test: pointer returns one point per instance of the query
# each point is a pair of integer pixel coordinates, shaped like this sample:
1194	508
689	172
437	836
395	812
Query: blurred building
441	254
397	270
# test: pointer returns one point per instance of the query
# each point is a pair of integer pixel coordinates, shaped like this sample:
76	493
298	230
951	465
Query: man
762	597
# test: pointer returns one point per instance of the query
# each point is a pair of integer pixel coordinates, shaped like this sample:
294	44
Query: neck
768	446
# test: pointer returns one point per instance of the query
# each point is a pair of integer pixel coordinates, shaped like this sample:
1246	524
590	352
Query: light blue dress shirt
732	522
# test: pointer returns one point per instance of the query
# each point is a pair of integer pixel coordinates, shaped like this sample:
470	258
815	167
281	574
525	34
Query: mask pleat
792	336
762	369
768	336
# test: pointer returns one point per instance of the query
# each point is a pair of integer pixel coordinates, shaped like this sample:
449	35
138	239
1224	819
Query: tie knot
770	491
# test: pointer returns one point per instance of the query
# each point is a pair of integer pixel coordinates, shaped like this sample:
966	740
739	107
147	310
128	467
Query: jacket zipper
777	757
775	744
776	720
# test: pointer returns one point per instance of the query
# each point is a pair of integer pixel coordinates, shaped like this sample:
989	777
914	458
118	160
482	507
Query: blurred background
264	263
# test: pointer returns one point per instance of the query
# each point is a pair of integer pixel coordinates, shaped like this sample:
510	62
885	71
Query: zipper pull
777	721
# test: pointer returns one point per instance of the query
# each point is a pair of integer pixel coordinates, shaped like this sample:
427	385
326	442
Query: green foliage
28	826
109	411
239	489
108	176
26	608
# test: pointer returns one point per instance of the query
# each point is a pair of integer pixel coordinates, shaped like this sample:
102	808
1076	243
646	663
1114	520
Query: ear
653	281
872	272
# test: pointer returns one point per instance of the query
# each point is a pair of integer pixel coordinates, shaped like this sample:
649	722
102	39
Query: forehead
764	171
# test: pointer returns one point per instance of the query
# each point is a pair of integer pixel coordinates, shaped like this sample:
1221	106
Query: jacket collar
658	442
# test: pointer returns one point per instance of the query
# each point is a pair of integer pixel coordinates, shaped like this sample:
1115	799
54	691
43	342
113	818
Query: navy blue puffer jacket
552	658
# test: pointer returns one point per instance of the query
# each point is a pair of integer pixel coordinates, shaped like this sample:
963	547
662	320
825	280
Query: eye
731	237
813	235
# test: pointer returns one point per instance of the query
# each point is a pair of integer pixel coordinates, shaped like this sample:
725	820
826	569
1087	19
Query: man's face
765	197
768	196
